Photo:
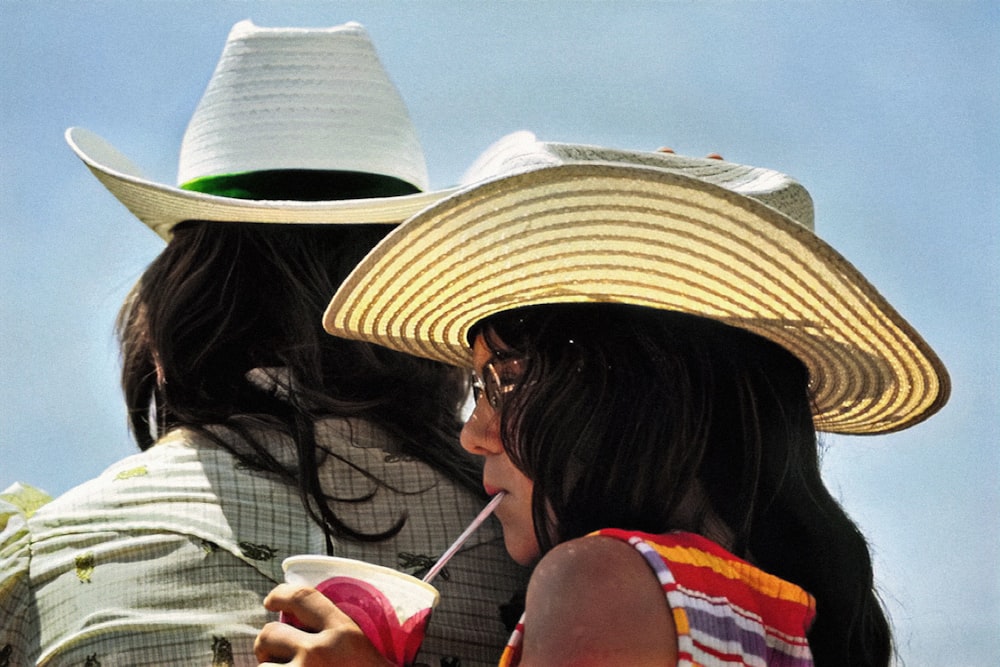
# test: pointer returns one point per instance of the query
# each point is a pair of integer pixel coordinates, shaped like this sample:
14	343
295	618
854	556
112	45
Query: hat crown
521	152
301	98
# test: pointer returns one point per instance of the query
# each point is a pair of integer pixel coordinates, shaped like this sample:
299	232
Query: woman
262	437
655	349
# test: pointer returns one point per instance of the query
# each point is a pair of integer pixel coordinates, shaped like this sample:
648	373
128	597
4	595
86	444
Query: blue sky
888	112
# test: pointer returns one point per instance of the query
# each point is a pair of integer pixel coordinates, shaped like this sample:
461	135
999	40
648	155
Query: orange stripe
753	577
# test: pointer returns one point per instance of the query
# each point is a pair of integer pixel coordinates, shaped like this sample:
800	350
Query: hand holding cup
389	608
349	612
324	635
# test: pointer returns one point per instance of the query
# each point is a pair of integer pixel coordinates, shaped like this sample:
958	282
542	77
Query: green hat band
301	185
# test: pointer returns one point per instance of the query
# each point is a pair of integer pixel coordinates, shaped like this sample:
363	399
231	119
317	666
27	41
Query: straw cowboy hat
562	223
285	106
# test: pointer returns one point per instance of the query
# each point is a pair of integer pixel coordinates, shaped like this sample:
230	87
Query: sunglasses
496	383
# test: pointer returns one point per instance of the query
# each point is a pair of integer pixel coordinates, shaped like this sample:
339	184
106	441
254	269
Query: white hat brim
161	206
642	236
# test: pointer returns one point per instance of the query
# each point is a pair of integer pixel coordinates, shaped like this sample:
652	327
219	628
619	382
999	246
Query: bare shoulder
604	563
595	601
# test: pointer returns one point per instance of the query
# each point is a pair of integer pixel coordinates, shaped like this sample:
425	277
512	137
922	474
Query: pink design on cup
390	607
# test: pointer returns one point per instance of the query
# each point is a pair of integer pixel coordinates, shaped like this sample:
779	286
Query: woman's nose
481	433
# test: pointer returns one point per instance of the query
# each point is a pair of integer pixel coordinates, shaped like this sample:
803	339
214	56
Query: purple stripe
721	625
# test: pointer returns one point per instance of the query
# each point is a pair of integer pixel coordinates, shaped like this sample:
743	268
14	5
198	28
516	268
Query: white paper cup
395	623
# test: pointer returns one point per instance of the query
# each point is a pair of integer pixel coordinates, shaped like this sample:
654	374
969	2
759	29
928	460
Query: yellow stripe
753	577
681	621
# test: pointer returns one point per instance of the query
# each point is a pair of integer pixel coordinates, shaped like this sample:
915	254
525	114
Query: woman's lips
491	490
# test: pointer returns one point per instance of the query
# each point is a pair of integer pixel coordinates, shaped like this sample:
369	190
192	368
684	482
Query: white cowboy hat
705	237
316	101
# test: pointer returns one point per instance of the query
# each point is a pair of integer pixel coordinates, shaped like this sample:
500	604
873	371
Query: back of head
224	299
656	421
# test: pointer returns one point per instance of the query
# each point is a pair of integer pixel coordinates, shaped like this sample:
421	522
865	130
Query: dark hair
223	299
624	413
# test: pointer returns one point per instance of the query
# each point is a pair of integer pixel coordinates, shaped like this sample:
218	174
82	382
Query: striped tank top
727	612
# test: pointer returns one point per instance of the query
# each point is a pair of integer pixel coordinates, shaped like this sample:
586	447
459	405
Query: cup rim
363	565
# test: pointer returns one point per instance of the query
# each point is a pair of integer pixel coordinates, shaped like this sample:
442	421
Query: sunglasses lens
495	387
492	385
493	391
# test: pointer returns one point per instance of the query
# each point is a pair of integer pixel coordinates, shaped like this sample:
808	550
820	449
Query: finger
311	609
713	156
308	605
277	642
280	595
665	149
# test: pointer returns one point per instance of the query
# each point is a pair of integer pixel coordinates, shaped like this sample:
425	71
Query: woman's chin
524	552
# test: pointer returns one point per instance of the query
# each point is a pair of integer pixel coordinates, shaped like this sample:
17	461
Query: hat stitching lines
846	313
633	224
688	289
748	278
505	187
313	98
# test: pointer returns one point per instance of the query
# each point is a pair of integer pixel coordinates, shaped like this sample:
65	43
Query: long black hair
651	420
223	299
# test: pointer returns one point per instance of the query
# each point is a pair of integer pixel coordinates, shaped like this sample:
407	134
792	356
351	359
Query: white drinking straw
446	556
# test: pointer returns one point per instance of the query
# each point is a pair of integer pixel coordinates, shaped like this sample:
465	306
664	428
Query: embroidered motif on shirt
252	467
92	661
420	564
222	652
396	457
85	564
5	654
257	551
133	472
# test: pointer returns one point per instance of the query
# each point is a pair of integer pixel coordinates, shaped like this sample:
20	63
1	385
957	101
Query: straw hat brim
162	206
635	235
